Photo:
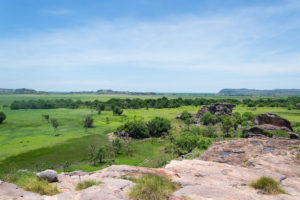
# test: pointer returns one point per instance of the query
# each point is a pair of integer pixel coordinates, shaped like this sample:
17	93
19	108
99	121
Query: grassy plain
27	140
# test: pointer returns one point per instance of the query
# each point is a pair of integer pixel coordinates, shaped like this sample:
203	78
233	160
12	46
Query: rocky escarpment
216	109
223	172
271	122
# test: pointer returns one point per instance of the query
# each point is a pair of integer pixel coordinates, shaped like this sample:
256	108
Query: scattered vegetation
268	185
2	117
276	133
88	122
153	187
54	124
87	184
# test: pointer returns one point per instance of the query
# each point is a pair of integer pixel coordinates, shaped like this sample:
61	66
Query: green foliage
88	122
210	131
117	111
117	145
227	125
101	154
268	185
46	117
208	118
136	129
29	182
237	118
2	117
159	126
276	133
248	116
87	184
54	124
187	142
185	115
153	187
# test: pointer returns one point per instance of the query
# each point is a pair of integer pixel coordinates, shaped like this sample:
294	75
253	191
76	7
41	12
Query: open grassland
27	140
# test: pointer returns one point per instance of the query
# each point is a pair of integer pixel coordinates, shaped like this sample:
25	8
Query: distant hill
253	92
124	92
20	91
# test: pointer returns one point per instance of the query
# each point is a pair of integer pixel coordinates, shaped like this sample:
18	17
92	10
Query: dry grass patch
268	185
87	184
153	187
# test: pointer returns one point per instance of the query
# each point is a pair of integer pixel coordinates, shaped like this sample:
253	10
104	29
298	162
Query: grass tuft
268	185
153	187
87	184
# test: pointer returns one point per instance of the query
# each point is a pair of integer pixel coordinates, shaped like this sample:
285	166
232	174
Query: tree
2	117
117	145
46	117
117	111
88	122
54	124
158	126
107	120
189	121
210	131
101	154
136	129
208	118
185	115
227	125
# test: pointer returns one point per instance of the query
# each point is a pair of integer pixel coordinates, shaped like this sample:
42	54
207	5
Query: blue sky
149	45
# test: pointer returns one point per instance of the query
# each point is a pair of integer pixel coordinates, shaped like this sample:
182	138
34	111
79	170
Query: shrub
136	129
276	133
117	111
204	143
87	184
227	125
249	116
54	124
210	131
158	126
208	118
268	185
185	115
153	187
117	145
88	122
2	117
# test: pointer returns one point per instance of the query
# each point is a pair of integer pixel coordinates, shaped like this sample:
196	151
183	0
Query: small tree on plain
54	124
117	145
117	111
88	122
2	117
227	125
46	117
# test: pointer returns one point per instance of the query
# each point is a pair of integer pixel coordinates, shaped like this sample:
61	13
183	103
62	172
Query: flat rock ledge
201	179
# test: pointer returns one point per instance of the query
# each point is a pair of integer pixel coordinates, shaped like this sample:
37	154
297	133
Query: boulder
216	109
273	119
297	105
49	175
221	108
259	129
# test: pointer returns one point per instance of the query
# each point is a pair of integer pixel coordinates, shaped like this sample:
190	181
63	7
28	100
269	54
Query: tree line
138	103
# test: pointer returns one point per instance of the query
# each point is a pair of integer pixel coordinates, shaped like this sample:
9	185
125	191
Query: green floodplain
27	140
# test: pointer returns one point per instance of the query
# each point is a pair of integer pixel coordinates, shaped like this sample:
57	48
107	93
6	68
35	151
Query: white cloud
233	42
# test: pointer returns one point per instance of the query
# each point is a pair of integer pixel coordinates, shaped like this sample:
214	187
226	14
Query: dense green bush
117	111
185	115
227	125
208	118
136	129
2	117
248	116
187	142
159	126
88	122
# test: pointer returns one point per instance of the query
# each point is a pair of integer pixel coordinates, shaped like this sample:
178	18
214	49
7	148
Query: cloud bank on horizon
143	45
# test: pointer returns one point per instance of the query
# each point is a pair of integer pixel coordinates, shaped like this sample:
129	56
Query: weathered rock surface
271	122
217	109
216	176
49	175
273	119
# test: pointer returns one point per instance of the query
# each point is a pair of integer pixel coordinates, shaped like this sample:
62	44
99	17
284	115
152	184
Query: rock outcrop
216	109
49	175
271	122
223	172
